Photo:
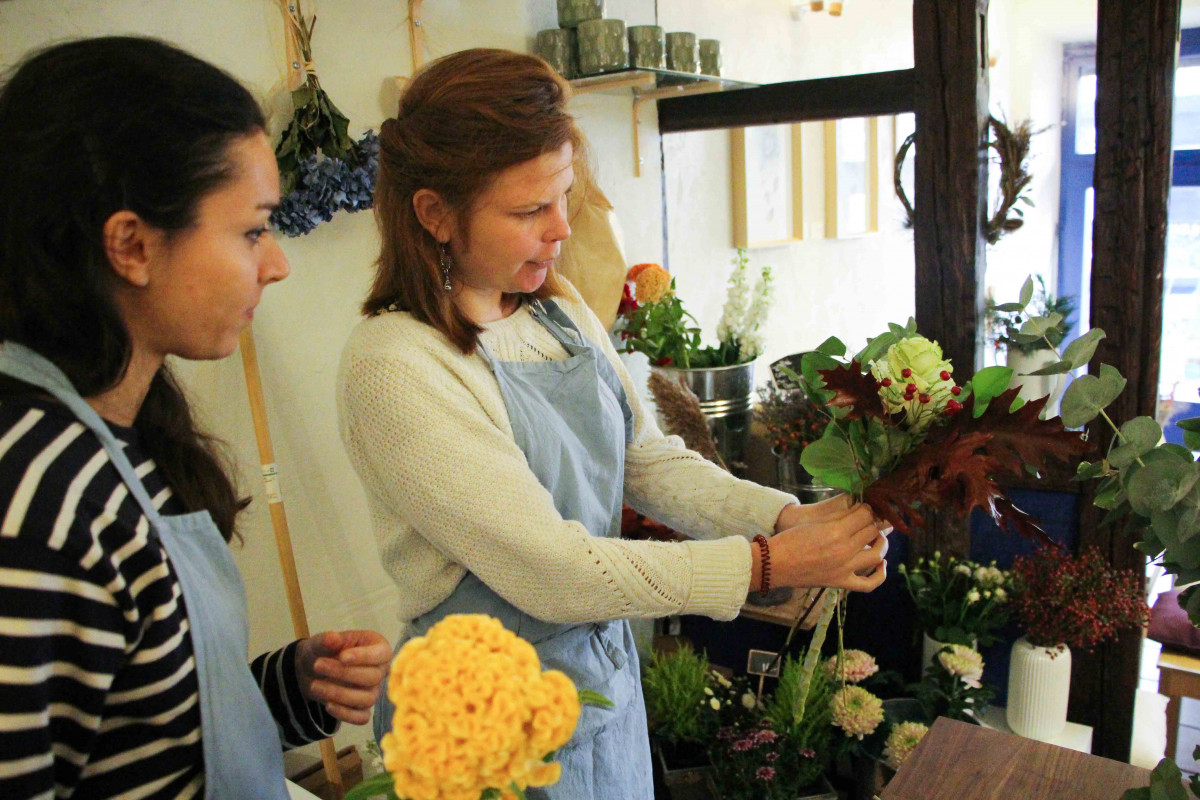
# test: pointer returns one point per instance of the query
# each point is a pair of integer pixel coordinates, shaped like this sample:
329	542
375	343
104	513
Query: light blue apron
572	421
243	756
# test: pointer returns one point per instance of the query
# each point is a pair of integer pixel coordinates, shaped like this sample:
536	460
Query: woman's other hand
344	670
840	546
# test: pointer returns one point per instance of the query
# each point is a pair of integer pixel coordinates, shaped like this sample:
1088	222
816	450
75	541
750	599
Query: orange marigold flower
638	269
652	284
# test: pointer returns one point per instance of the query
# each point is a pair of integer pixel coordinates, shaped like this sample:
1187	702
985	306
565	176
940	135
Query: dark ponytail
89	128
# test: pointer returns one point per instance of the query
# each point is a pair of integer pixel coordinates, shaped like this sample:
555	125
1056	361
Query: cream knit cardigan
449	490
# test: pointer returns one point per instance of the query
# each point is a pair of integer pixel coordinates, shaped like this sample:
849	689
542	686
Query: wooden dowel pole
283	539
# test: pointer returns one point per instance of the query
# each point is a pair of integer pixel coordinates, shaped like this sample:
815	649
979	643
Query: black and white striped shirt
98	689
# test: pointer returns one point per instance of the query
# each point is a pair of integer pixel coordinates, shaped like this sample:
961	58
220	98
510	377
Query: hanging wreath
321	169
1011	147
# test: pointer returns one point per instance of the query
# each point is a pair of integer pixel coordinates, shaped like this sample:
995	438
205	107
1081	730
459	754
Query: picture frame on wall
766	181
851	177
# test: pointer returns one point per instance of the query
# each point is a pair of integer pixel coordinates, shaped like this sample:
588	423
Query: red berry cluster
1077	601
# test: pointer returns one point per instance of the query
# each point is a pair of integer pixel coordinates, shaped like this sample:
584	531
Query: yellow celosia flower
474	711
652	283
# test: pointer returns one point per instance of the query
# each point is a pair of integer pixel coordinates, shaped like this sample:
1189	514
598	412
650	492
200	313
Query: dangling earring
445	263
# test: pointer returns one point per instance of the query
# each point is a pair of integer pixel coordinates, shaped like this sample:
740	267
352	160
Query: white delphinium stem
737	301
751	337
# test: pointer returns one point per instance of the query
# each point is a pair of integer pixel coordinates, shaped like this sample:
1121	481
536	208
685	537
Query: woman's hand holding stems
835	543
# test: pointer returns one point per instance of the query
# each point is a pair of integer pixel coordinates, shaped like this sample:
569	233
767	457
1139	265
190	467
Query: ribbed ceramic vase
1039	682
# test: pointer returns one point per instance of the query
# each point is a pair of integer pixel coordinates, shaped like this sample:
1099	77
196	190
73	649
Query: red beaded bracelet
764	551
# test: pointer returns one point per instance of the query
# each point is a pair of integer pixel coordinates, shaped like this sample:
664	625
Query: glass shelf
649	85
644	79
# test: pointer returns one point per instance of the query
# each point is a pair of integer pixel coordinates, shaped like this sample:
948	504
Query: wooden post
283	539
1136	51
950	62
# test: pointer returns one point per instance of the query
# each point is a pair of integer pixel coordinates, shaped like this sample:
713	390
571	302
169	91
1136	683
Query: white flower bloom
721	679
972	596
708	691
749	701
1001	595
715	703
965	569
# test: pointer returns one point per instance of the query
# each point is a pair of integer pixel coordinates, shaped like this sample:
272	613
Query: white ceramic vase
1035	386
1039	683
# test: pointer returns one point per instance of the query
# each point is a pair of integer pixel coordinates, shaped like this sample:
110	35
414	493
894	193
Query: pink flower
963	662
765	736
808	752
771	756
902	741
856	666
765	774
742	745
856	711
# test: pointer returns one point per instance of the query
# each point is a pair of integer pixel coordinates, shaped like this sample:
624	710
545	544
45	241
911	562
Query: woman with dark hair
138	183
496	431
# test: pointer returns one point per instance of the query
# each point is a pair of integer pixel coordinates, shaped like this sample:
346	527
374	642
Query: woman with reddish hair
497	432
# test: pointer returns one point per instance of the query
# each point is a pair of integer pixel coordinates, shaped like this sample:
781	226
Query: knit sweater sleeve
676	486
450	491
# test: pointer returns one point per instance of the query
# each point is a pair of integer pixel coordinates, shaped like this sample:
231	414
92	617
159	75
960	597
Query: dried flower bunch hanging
321	169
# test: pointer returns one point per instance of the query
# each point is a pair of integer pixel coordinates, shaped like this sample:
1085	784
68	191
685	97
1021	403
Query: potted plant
1027	353
774	753
685	703
651	320
957	601
1063	602
793	422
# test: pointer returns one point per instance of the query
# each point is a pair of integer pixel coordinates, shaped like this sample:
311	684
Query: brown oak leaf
854	389
958	463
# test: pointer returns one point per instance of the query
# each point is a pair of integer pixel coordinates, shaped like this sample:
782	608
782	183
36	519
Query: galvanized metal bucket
726	396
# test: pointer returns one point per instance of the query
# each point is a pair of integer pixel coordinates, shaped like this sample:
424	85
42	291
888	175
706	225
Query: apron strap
33	368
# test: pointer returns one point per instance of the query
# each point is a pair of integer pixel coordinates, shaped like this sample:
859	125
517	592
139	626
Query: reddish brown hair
463	119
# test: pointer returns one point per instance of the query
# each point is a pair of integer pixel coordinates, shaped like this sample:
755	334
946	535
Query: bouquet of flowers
903	436
959	601
476	717
651	319
1079	601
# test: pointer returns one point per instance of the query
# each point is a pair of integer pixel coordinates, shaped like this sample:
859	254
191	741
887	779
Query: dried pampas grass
680	410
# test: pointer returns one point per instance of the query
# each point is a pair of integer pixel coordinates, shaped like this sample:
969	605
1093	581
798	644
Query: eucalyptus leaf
832	346
1026	292
899	331
1038	326
1163	481
1088	395
1090	469
830	460
1138	436
1008	308
1080	351
1057	368
1192	424
1108	493
1191	439
1150	545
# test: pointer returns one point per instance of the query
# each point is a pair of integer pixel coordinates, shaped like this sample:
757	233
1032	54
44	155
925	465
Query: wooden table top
957	761
786	613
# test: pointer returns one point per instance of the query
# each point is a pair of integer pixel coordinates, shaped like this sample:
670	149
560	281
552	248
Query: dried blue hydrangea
325	186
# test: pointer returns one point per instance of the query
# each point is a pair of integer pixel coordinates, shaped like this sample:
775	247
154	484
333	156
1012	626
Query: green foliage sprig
678	688
1003	321
959	602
